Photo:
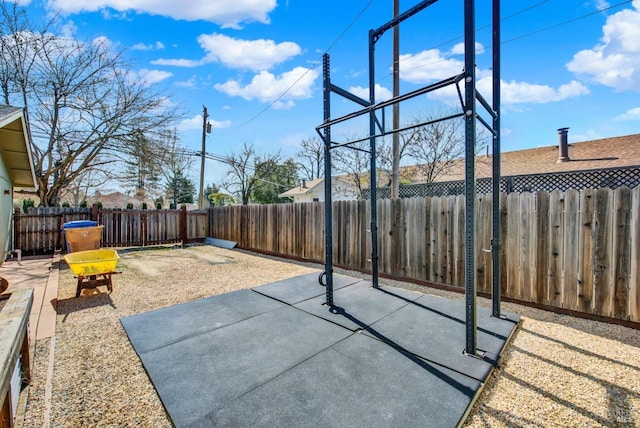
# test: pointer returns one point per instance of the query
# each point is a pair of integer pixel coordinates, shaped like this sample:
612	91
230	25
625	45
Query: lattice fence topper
580	180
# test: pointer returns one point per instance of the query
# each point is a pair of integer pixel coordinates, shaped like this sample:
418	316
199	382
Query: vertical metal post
469	176
372	156
495	239
204	141
328	218
395	158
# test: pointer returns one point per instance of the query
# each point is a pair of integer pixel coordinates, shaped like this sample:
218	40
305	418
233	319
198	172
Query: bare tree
436	146
83	103
173	163
80	187
19	44
247	168
310	158
353	161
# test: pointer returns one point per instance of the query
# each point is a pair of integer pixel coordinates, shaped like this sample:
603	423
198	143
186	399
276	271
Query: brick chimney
563	146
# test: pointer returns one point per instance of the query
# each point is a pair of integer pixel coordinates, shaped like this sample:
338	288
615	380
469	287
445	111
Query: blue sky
256	64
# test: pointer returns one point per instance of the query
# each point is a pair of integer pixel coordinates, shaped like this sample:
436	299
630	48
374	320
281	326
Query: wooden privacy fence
41	230
573	250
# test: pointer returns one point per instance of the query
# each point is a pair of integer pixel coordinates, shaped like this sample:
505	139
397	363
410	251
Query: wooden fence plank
481	244
526	247
602	259
556	202
570	259
514	285
542	247
586	252
459	245
621	252
634	269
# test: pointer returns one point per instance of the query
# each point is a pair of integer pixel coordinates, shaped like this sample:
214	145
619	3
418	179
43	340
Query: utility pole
206	128
395	157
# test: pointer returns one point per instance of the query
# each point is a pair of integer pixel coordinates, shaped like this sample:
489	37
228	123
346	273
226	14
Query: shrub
26	204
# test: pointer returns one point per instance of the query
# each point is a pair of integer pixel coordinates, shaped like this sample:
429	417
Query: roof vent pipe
563	155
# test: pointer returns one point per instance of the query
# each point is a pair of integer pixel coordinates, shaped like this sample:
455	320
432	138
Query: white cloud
382	93
514	92
196	123
266	87
68	30
177	62
522	92
103	42
428	66
227	14
190	83
254	55
631	114
149	77
615	61
459	49
150	47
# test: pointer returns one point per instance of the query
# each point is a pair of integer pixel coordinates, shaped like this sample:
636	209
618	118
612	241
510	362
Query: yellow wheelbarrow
93	268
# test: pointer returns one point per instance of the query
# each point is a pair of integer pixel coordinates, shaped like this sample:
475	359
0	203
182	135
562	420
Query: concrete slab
36	272
303	287
359	305
162	327
210	370
358	382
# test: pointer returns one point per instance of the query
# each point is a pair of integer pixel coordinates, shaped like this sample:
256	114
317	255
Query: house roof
307	187
303	189
119	200
14	145
614	152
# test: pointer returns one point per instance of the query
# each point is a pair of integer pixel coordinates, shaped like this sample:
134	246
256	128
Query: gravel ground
558	371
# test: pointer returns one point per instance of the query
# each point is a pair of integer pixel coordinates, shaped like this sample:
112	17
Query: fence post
183	224
16	229
94	212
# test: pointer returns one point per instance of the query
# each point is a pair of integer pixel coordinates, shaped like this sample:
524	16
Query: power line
569	21
522	36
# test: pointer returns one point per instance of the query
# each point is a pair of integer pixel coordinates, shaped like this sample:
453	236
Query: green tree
143	163
274	180
247	168
181	188
220	199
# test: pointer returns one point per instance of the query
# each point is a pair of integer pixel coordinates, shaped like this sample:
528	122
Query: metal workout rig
468	101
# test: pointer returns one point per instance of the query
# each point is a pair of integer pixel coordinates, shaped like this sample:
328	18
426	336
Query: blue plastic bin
76	224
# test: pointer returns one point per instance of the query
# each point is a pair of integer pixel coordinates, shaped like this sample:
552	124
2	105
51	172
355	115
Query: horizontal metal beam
346	94
398	19
434	86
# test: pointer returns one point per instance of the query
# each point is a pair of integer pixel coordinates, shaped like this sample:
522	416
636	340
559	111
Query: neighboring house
608	162
119	200
615	152
16	167
313	191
